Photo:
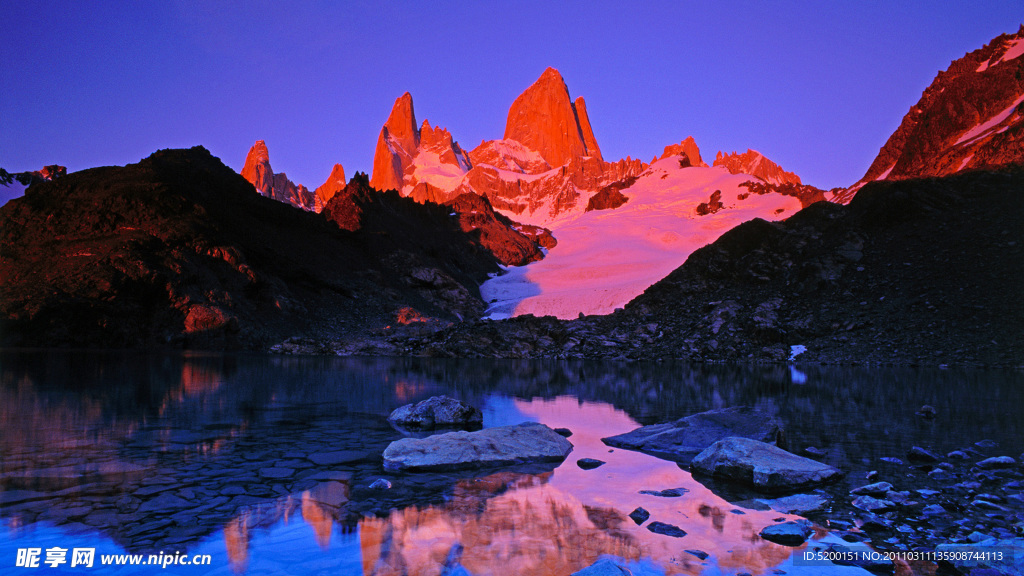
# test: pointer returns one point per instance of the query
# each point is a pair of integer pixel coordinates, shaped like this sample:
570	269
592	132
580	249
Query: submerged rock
764	467
639	515
666	529
788	533
501	446
603	567
437	412
799	504
683	439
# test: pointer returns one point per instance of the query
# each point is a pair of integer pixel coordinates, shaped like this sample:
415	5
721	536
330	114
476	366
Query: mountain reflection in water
265	462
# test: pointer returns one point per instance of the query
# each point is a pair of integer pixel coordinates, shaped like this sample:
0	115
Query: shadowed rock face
177	250
969	117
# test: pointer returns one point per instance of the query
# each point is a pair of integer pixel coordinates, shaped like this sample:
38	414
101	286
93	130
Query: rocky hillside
970	117
911	272
178	250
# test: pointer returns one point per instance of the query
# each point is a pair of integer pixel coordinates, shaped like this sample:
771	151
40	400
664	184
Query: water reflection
256	456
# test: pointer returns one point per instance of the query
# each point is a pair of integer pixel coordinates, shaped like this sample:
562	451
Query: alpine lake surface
271	464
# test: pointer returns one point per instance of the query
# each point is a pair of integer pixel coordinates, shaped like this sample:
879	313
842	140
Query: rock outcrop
437	412
498	234
754	163
501	446
687	148
971	116
682	440
258	172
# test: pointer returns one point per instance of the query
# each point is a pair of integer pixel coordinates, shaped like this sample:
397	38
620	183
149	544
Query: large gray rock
437	412
762	466
501	446
683	439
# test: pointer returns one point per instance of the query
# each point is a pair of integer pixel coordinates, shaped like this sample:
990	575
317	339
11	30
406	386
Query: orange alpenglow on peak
754	163
334	184
276	186
396	146
686	148
257	168
544	119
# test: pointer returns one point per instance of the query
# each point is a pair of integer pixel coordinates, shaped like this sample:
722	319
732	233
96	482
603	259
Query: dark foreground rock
437	412
762	466
683	439
501	446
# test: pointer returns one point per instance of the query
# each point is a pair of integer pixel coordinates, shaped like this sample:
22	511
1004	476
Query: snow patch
885	174
1014	50
796	350
982	129
964	163
605	258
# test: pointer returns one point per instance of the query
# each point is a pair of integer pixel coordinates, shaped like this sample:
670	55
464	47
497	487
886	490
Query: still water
264	463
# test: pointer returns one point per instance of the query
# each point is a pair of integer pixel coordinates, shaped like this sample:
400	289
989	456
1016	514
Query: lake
265	463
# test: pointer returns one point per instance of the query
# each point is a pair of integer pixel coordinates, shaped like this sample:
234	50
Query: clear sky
816	86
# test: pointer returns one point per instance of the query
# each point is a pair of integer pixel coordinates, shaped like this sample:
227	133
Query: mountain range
179	250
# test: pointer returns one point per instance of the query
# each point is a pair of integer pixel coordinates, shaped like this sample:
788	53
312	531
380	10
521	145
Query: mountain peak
396	145
754	163
544	119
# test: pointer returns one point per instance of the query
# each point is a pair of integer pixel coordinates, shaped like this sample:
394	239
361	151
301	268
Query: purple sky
101	83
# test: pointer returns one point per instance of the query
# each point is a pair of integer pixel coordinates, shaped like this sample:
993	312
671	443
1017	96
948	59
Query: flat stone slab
764	467
500	446
683	439
437	412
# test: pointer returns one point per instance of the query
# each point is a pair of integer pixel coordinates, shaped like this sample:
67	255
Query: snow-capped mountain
548	162
971	116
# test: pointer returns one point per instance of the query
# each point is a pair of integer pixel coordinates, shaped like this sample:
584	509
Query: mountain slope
911	272
178	250
605	258
971	116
